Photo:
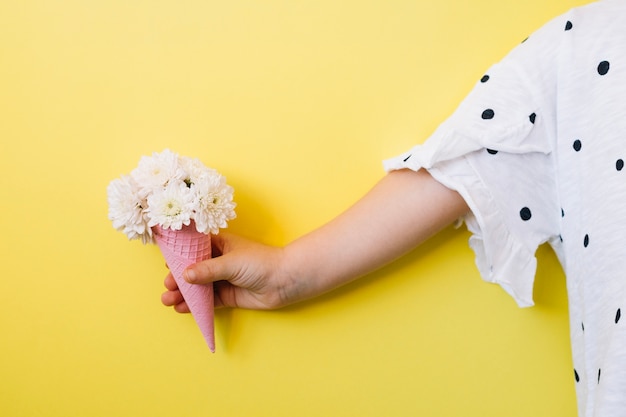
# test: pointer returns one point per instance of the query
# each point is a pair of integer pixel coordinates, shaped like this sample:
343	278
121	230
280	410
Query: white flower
215	204
169	191
154	172
172	207
126	209
195	170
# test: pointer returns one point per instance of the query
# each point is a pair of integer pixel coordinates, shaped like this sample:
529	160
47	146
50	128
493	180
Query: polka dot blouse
537	150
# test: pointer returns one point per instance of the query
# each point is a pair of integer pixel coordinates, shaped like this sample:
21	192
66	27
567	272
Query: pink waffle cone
181	248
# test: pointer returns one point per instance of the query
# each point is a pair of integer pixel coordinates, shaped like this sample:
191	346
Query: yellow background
296	103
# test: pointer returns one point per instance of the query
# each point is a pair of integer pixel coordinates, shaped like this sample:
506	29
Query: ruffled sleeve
497	151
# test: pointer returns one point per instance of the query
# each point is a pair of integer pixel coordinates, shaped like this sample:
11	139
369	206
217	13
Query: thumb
210	270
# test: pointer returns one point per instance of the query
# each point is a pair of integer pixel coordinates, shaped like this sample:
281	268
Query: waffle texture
182	248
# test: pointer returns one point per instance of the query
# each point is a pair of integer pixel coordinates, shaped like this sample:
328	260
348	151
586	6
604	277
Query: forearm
400	212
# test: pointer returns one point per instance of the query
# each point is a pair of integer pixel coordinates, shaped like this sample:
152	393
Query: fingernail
190	275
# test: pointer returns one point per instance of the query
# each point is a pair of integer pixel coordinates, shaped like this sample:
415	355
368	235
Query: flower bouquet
175	202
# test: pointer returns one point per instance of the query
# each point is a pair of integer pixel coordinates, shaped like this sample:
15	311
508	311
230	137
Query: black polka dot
619	164
562	213
568	25
582	326
532	118
488	114
492	151
577	145
525	214
618	315
603	67
599	372
484	79
586	241
576	376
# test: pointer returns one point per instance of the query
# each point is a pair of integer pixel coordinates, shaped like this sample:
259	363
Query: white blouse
537	150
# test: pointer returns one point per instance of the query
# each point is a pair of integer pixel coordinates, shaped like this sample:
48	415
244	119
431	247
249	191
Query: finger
204	273
172	298
175	299
170	282
212	270
182	308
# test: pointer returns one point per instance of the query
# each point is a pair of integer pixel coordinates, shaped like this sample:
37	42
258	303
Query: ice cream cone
181	248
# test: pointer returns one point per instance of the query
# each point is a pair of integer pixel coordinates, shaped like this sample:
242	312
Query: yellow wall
297	103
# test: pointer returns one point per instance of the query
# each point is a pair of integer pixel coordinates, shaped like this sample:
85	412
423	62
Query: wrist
293	278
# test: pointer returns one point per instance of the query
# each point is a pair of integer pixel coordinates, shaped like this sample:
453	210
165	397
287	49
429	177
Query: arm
400	212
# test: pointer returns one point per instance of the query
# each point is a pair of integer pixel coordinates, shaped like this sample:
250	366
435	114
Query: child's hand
244	274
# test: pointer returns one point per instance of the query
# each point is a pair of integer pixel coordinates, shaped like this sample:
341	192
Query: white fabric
537	150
